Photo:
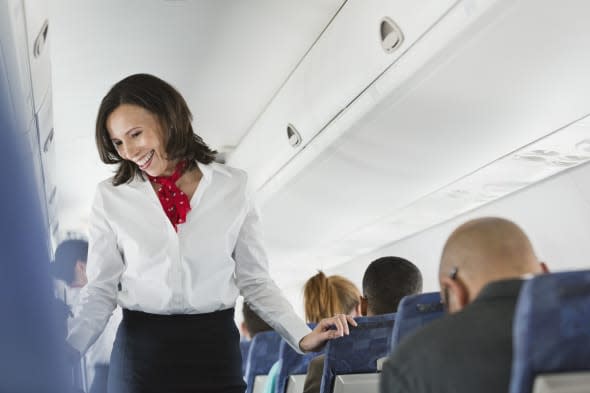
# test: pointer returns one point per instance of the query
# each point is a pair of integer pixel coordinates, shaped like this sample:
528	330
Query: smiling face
137	135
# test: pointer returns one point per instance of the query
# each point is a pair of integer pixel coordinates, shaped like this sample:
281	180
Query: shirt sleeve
258	288
105	265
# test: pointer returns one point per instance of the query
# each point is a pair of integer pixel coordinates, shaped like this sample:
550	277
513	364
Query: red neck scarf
175	202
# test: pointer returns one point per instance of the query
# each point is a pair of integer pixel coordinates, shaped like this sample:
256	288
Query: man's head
386	281
252	323
70	262
479	252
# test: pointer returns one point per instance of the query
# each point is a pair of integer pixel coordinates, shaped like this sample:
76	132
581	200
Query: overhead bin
48	157
13	44
38	33
347	57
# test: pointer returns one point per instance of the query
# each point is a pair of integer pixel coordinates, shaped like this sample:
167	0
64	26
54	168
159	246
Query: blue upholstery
244	349
358	352
264	352
551	327
32	357
414	312
292	363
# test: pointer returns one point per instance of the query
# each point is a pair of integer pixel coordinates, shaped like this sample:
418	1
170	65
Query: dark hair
253	322
162	100
323	296
66	256
387	280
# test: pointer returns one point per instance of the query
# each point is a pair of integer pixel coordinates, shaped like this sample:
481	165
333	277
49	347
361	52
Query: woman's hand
325	331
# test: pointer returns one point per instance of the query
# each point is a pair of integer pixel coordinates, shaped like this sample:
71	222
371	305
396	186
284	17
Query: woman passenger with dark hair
174	239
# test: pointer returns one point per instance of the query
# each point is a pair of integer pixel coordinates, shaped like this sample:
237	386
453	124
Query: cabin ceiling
452	135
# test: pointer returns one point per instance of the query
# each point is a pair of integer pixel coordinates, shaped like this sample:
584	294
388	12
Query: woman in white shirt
174	239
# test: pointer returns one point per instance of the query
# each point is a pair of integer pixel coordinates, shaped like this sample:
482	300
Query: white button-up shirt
138	260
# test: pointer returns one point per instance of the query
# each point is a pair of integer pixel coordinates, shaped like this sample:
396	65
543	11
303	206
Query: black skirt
176	353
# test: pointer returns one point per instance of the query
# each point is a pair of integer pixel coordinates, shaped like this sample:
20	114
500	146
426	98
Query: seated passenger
324	295
331	295
481	270
385	282
252	323
69	267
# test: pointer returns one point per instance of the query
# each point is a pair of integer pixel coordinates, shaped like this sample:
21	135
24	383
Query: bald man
482	268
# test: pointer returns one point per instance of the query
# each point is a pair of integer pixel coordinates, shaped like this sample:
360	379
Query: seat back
292	363
358	352
414	312
551	328
264	352
244	349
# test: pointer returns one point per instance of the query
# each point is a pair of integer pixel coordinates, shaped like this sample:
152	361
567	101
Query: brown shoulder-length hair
162	100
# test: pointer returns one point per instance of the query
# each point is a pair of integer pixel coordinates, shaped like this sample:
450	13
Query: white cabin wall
555	214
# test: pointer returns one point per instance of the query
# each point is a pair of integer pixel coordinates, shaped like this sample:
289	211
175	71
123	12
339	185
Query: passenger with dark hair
69	267
70	262
174	239
482	268
252	323
386	281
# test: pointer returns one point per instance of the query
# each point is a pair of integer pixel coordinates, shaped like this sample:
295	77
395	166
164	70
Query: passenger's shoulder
426	341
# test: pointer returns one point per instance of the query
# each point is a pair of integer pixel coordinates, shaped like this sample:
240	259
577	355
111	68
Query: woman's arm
105	265
266	298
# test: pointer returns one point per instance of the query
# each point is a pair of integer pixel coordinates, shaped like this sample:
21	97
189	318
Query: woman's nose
129	151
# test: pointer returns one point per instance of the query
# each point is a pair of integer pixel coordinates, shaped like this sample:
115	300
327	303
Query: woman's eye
117	143
135	134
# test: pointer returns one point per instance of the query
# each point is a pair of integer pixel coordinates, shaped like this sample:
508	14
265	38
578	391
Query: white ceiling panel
498	88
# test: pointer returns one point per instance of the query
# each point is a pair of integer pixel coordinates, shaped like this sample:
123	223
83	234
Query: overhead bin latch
41	39
391	35
293	136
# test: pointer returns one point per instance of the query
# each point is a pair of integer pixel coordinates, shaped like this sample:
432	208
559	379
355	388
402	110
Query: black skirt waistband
140	316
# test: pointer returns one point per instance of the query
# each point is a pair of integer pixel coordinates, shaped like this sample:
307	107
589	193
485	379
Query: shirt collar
206	169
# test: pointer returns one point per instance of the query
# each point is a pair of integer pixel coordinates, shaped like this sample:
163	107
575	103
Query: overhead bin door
346	58
38	33
13	44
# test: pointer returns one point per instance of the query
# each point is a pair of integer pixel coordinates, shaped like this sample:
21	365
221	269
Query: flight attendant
174	239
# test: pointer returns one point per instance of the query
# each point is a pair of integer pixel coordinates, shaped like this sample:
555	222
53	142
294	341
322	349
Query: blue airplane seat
551	328
414	312
32	358
264	352
358	352
292	363
244	349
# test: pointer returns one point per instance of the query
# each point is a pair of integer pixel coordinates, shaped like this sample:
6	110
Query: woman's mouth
145	161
